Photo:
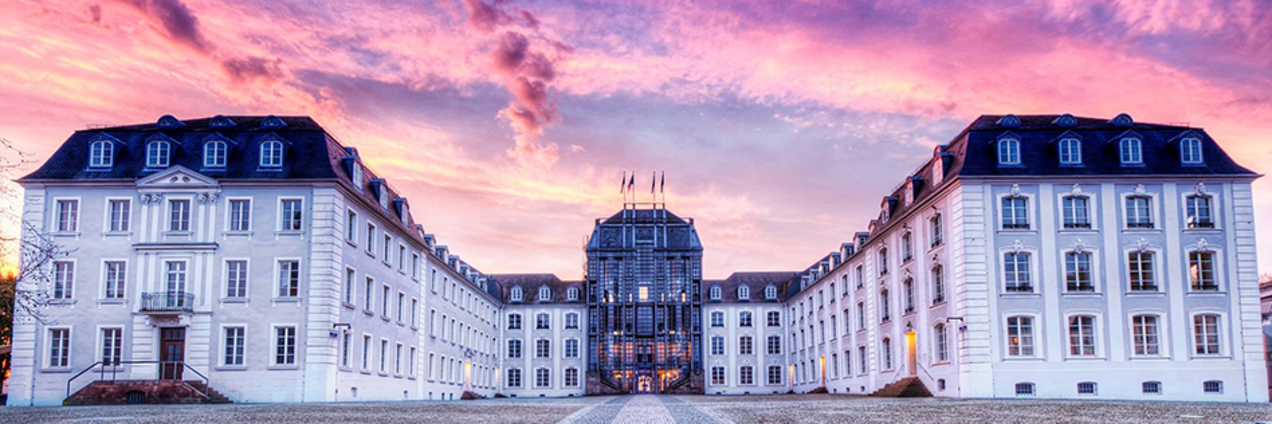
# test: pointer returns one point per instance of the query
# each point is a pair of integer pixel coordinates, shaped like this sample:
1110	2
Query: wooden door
171	353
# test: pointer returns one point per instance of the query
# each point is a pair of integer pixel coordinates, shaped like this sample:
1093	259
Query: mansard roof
644	224
530	284
755	281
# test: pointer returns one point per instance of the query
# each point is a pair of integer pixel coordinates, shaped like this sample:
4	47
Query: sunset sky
508	124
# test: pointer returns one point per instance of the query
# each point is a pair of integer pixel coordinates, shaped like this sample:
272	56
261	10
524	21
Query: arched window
1082	335
744	319
101	154
744	292
885	311
886	352
545	294
1070	151
770	292
515	294
1131	151
158	154
214	154
572	294
1190	151
1009	151
717	319
272	153
938	284
542	321
715	293
883	261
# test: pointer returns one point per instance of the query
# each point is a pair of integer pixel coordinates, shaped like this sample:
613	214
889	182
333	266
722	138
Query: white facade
743	348
544	350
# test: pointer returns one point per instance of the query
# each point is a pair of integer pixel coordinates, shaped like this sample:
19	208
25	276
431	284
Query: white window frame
283	219
1185	158
1031	211
1163	332
1036	342
1155	268
278	280
99	356
105	292
1154	205
222	345
1097	334
1217	264
103	160
1033	271
168	211
1092	212
126	224
273	346
271	159
230	218
161	154
1222	337
247	276
1004	152
48	348
1070	151
72	225
1134	155
1094	270
213	159
69	286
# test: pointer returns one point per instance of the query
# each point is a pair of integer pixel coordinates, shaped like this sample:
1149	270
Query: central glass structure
644	298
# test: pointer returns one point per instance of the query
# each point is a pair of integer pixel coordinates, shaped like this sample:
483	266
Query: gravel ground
679	409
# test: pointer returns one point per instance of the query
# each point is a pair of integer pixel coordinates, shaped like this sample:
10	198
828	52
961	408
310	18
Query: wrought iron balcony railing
167	302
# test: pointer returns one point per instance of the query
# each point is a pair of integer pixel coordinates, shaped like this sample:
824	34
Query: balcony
167	302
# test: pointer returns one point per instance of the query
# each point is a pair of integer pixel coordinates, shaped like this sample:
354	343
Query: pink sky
508	124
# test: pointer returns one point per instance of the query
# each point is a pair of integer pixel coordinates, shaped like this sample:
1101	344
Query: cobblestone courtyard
666	409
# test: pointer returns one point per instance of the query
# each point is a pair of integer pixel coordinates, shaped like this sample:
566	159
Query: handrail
114	373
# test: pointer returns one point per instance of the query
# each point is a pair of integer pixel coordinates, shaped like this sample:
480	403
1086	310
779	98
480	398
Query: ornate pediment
177	177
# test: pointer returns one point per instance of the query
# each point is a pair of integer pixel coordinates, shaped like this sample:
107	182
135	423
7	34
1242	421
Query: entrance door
911	354
171	353
645	384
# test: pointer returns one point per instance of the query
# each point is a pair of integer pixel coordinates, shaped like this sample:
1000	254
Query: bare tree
34	248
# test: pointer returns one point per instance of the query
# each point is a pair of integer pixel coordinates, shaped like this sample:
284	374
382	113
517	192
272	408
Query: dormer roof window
1009	121
715	293
1122	120
272	154
1009	151
220	121
1066	121
101	154
215	153
158	154
272	121
356	176
1190	151
1070	151
515	294
572	294
169	121
545	294
744	292
1131	151
770	292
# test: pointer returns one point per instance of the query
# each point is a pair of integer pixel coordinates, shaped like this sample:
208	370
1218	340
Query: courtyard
666	409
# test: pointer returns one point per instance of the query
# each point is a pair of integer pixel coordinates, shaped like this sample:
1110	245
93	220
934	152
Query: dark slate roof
756	281
530	284
644	224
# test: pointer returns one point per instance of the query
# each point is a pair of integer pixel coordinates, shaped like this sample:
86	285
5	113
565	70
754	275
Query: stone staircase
905	387
123	392
213	395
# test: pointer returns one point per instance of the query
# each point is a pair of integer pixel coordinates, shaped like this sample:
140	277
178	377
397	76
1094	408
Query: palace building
256	259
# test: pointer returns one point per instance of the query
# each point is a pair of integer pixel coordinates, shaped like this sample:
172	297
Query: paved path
642	409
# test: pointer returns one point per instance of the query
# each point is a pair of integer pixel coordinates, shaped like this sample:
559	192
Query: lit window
1201	271
1020	336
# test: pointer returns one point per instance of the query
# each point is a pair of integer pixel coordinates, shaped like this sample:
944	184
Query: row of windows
1076	212
1141	268
545	294
176	277
746	345
746	375
159	153
744	292
462	297
385	242
543	377
1090	388
1148	338
543	321
543	348
459	333
179	215
1069	149
451	371
774	319
349	296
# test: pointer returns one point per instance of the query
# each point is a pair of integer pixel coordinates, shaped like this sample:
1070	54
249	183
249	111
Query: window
236	278
388	249
397	359
1077	272
1009	151
59	348
1201	271
101	154
288	278
1082	335
515	294
1131	152
63	280
370	238
770	292
1024	389
116	274
883	261
746	345
542	377
1070	151
571	377
571	321
1086	388
1076	213
774	375
935	230
864	361
1140	267
744	319
292	215
907	248
571	348
1020	336
272	153
346	347
717	376
1139	212
1199	212
861	276
886	353
112	346
938	284
514	321
366	352
940	342
514	377
285	345
240	215
119	219
235	339
1206	334
1015	213
1144	335
158	153
410	367
176	278
744	293
514	348
384	356
572	295
885	307
214	153
1016	272
715	293
908	290
717	319
774	345
67	215
861	316
1190	151
717	345
746	375
774	319
847	362
368	298
1212	386
179	215
542	321
351	227
1151	387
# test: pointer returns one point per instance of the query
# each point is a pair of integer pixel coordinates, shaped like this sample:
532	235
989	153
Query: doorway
171	353
644	384
911	352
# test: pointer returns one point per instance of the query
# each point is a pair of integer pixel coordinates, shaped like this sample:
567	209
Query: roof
623	230
530	284
755	281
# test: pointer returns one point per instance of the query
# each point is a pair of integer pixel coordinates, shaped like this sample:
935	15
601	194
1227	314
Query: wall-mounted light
336	327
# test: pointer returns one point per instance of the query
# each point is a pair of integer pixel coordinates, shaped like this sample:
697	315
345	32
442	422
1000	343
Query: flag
653	180
622	184
662	184
631	184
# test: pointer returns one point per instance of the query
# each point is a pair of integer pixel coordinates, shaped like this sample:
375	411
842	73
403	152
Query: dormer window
1070	151
101	154
357	175
1009	151
715	293
214	154
406	213
220	121
169	121
272	121
572	294
1122	120
1065	120
744	293
272	154
515	294
1009	121
158	154
1131	151
770	292
545	294
1190	151
384	196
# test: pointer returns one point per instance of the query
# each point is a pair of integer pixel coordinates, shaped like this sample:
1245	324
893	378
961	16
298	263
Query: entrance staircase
905	387
123	392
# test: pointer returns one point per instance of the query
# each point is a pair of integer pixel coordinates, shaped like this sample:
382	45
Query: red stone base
116	393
